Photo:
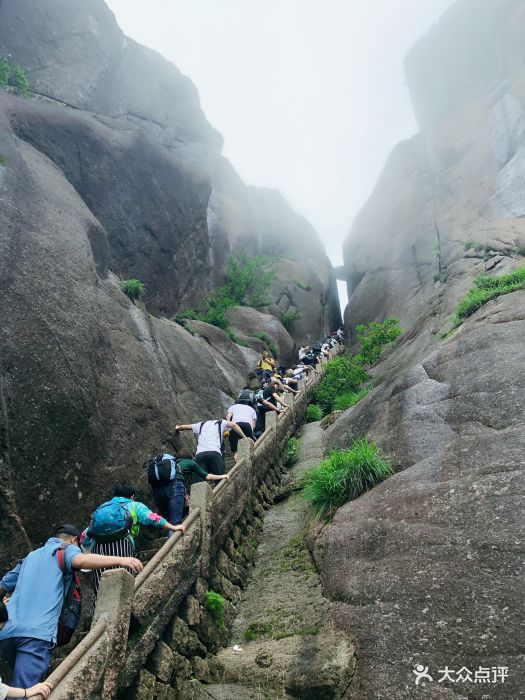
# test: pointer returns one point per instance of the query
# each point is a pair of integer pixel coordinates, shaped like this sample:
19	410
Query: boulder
250	321
315	666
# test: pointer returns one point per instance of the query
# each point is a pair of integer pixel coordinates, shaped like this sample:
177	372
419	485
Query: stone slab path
282	624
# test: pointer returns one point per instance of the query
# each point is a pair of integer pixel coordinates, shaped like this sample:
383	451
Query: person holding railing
210	442
116	524
243	414
38	584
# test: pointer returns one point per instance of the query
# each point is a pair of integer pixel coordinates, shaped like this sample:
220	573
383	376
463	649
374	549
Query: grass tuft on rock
350	398
344	475
291	451
314	413
133	288
486	288
214	604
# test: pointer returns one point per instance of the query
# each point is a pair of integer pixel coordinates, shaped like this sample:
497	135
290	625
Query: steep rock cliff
426	568
110	169
76	55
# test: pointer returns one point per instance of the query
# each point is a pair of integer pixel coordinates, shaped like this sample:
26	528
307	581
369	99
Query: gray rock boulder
251	321
91	384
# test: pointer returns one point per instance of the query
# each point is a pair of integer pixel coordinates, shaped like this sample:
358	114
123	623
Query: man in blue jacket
37	585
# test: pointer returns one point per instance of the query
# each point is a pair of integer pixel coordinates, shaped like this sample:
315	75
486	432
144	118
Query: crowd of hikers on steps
40	598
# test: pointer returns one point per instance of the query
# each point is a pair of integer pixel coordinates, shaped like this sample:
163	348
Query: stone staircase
149	543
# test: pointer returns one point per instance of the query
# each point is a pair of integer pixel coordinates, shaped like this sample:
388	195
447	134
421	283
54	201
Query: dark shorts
213	462
234	437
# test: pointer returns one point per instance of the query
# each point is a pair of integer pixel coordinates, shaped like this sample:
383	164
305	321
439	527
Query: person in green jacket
193	472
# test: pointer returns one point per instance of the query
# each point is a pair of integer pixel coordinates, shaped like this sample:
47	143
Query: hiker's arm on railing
102	561
164	550
235	427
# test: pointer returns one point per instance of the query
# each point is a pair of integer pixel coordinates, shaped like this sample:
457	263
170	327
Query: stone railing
150	634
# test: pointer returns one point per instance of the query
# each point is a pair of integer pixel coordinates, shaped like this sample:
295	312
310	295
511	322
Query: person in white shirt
243	414
210	438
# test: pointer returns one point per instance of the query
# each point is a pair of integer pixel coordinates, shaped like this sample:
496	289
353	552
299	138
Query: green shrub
19	80
437	249
248	279
133	288
272	347
303	285
487	287
314	413
247	282
291	451
346	375
288	318
374	337
4	72
345	475
343	375
350	398
214	604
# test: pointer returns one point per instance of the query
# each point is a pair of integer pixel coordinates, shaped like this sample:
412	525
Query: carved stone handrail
154	595
150	567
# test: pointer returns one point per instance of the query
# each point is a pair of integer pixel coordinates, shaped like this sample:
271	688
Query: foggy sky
309	95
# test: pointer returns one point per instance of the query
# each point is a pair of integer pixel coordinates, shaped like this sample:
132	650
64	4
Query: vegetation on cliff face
289	317
272	347
345	475
487	287
248	281
291	451
133	288
15	76
346	375
314	413
214	603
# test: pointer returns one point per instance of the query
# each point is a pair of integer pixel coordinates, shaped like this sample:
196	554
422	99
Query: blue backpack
111	522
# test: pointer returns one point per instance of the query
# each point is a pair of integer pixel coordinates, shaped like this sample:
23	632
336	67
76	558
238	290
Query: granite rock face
91	383
111	170
427	567
181	210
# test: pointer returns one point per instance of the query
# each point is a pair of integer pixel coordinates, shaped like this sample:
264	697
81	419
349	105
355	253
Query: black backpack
246	396
219	426
72	605
160	470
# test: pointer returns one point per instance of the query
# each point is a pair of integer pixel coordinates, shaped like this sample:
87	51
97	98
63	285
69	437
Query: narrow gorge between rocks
141	281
